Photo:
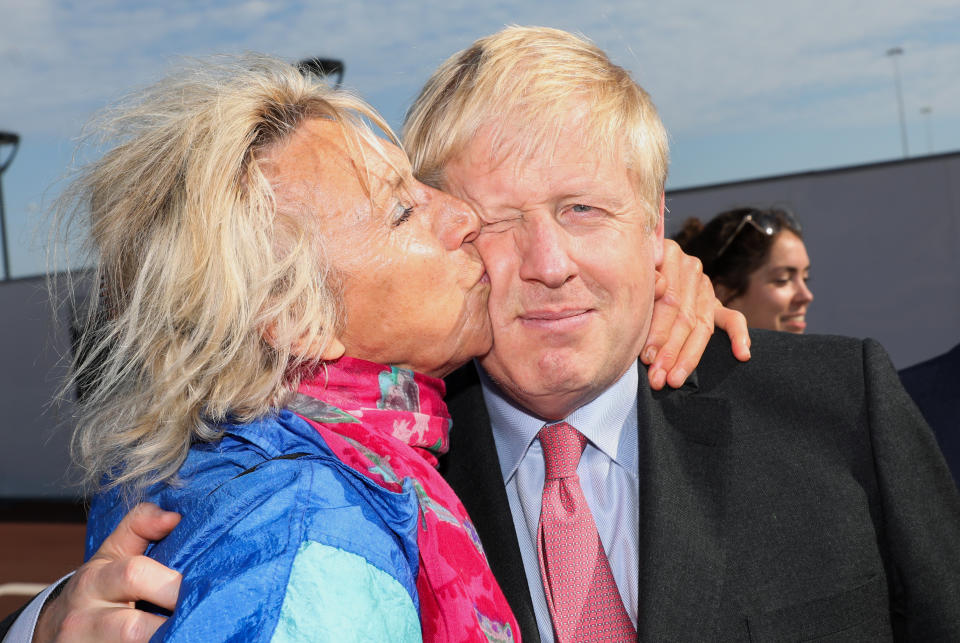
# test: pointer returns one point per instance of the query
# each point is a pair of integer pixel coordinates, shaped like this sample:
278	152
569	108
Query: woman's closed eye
401	214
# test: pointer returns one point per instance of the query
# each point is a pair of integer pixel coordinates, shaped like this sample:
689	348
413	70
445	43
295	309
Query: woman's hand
97	603
685	311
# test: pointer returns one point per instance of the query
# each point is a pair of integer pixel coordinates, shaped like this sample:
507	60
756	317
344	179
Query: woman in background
757	262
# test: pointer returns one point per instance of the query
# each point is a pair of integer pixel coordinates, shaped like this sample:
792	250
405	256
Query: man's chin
550	384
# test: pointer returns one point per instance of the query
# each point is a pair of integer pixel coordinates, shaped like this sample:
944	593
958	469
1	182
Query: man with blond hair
797	496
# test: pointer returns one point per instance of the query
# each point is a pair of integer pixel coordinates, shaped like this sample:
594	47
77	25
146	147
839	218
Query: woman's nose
804	294
457	222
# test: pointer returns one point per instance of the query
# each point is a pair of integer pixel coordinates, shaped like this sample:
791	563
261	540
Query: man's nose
456	221
544	248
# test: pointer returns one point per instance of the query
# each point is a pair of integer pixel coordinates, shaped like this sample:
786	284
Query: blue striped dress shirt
608	475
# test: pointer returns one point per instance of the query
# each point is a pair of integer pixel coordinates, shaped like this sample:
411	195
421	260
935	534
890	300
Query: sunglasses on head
767	223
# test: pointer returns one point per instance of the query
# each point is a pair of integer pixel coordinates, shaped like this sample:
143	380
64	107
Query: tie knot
562	446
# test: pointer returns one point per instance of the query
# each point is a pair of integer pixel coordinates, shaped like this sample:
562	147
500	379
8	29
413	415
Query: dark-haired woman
758	264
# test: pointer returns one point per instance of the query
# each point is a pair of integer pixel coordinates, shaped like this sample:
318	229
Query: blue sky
746	89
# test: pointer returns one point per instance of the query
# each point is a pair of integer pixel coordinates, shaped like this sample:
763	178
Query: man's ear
658	241
311	350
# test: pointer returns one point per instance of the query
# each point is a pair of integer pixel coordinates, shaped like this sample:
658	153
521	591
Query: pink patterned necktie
581	593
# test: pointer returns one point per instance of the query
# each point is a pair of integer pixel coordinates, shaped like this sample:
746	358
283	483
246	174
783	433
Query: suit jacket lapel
682	549
473	470
682	437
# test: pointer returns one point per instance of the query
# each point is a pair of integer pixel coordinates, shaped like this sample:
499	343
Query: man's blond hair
521	86
206	286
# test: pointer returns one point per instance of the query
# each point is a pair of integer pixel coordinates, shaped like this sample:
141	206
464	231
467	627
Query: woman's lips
794	322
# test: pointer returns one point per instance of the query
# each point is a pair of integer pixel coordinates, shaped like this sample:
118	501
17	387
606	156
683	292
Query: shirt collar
603	421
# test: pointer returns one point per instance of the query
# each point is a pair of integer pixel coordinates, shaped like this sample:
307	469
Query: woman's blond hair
520	86
196	264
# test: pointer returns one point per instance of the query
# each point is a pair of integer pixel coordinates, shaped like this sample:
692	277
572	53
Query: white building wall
884	245
34	432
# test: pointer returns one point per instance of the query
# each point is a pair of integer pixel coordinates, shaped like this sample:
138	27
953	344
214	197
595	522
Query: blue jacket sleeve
333	595
302	549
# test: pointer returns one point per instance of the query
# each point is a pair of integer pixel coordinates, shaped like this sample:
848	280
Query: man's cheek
500	269
486	237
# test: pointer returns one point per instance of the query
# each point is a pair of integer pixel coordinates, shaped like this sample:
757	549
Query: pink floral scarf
390	424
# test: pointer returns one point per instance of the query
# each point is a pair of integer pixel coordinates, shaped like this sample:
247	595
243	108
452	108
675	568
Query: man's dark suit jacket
798	496
935	386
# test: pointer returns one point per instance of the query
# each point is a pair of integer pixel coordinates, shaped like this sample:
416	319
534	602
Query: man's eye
583	212
500	225
403	213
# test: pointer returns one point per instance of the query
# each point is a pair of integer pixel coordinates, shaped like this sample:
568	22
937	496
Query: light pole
13	141
323	67
892	53
926	110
